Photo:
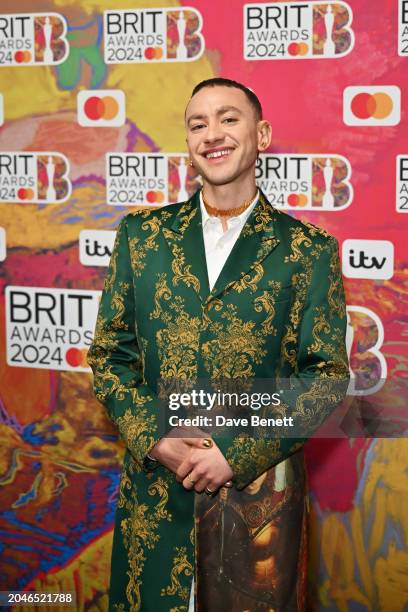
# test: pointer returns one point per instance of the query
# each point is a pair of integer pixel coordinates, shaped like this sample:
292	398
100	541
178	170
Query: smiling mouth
217	154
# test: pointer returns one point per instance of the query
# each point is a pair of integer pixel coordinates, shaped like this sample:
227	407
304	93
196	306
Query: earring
190	163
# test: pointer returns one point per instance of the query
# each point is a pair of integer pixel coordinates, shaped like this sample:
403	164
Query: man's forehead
220	97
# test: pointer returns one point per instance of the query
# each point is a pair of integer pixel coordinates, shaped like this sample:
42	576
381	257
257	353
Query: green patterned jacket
277	308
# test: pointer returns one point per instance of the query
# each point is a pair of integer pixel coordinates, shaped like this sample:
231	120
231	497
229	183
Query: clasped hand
195	466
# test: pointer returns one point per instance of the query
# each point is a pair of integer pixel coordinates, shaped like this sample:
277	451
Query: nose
214	132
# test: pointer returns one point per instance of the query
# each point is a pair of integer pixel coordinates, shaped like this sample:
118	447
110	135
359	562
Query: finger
189	481
199	441
183	469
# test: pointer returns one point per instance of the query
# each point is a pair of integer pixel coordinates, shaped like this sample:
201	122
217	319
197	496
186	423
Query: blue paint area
30	436
26	497
73	219
97	453
103	215
23	547
11	561
110	437
10	516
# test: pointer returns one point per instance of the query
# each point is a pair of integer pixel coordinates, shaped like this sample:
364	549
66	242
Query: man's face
223	134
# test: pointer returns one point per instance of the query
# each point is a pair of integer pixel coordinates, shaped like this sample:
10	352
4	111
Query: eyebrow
221	111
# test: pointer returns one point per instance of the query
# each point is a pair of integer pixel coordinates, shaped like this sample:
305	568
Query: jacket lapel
186	242
255	242
185	239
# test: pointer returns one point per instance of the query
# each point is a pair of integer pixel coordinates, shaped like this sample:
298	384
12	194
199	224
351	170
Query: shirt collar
241	218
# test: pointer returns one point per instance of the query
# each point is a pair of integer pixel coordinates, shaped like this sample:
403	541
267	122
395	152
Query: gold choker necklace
230	212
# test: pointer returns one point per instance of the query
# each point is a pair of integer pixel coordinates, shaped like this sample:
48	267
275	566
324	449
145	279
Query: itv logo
371	259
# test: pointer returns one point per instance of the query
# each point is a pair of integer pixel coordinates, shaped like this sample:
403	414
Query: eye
230	120
196	127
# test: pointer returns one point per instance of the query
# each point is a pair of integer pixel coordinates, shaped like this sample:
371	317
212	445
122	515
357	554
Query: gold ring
207	443
208	491
190	479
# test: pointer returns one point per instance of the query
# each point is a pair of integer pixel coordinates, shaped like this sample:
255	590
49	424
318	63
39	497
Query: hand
171	452
204	468
172	449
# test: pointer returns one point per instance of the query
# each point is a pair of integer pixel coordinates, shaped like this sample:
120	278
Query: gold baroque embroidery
181	565
118	303
289	354
160	487
162	293
237	345
266	302
136	427
299	238
186	219
111	276
335	293
262	215
178	342
138	248
315	230
250	280
140	531
181	270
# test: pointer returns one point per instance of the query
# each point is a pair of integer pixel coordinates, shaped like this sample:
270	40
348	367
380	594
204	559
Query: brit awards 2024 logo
402	184
50	328
289	30
33	39
34	177
149	178
364	339
372	105
152	35
309	182
101	108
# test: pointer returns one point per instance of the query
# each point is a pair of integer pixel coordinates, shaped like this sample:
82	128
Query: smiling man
222	285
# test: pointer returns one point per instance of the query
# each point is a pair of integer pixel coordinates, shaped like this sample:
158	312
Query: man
222	285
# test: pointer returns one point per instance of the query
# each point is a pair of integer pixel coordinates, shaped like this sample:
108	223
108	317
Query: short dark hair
221	82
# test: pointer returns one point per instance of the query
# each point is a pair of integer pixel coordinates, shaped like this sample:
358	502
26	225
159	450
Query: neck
230	195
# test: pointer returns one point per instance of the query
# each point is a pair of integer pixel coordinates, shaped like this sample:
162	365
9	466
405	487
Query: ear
264	135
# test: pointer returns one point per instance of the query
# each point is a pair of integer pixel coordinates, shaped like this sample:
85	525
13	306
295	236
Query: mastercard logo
25	193
153	53
76	357
155	197
372	106
298	49
101	108
297	199
23	57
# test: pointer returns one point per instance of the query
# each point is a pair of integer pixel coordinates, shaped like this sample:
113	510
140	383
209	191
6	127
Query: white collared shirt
218	244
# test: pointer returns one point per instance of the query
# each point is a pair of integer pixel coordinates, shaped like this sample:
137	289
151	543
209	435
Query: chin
219	178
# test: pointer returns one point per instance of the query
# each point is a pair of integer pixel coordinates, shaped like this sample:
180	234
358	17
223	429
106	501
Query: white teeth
218	153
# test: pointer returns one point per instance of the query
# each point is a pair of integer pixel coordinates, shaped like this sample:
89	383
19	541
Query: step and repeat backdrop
92	99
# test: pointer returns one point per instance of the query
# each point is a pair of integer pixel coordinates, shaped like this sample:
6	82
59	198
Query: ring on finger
190	479
208	491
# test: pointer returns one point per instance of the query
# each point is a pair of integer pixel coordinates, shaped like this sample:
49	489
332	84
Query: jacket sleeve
320	376
116	360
